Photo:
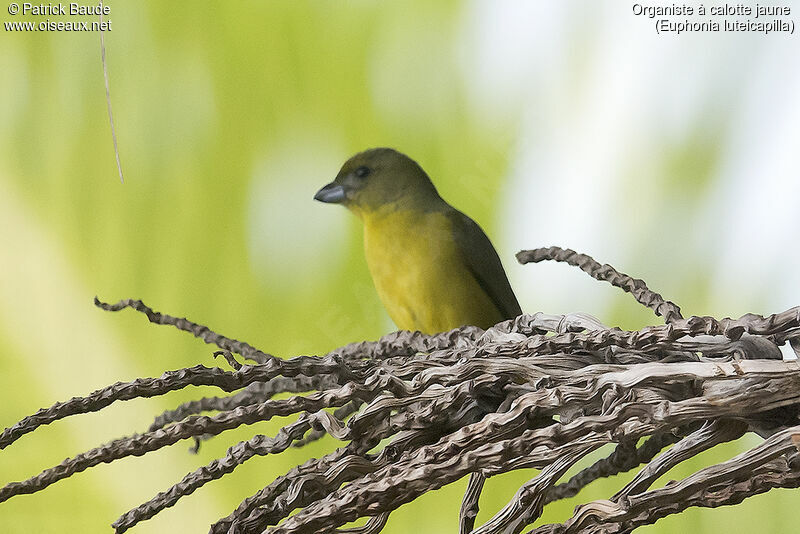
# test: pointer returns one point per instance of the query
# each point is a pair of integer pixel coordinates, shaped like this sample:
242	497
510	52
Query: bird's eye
362	172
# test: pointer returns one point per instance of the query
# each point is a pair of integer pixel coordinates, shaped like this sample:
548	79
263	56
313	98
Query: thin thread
108	96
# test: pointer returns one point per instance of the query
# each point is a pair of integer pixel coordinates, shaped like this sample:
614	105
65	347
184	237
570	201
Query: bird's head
378	179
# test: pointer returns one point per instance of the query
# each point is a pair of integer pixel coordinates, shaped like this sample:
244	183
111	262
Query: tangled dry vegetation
540	392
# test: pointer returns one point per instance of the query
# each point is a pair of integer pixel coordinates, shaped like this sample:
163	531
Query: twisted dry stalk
537	392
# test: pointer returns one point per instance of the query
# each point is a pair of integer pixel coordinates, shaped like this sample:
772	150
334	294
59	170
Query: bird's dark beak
332	193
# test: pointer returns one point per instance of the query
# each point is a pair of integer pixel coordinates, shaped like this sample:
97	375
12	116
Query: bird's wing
481	259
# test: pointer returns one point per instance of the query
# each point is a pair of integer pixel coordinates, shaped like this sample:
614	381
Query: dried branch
469	505
772	464
501	442
712	433
625	457
664	308
414	413
197	330
254	393
375	524
528	503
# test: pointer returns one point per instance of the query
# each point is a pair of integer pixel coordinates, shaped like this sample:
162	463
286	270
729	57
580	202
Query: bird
433	267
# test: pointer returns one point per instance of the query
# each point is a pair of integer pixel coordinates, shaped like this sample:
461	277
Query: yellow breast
420	274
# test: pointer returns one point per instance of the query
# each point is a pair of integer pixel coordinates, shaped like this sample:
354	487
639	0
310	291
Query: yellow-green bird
433	266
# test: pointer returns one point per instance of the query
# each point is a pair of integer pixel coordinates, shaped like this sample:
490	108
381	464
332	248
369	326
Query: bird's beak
332	193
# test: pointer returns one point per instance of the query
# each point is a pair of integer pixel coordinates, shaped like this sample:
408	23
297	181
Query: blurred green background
569	123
